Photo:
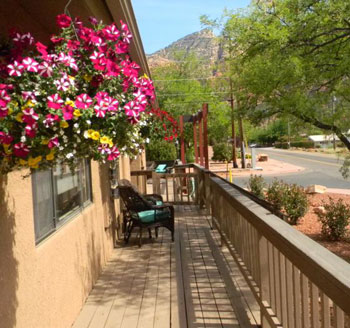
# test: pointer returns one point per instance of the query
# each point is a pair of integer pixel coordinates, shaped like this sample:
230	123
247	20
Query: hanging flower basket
80	97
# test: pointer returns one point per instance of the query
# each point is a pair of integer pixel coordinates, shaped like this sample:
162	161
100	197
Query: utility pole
234	155
241	132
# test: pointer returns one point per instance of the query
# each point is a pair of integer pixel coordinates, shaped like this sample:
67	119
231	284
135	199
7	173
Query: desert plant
335	219
256	185
295	202
275	193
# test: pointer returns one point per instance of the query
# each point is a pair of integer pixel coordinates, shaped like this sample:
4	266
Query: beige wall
46	285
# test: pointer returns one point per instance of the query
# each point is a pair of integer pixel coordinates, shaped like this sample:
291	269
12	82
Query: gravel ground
310	226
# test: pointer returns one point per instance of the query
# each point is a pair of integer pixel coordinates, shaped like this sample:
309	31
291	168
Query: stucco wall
46	285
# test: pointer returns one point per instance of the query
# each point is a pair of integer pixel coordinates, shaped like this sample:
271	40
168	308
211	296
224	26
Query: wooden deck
192	282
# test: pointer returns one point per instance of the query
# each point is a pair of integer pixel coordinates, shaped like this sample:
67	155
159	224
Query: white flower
147	140
60	148
88	122
78	131
23	139
61	132
86	135
76	125
70	155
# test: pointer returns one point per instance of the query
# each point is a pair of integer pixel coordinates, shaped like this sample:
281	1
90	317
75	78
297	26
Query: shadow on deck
192	282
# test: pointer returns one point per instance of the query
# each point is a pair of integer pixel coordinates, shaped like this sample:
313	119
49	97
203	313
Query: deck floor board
192	282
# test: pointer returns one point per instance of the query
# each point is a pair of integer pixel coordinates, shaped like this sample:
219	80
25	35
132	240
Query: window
59	195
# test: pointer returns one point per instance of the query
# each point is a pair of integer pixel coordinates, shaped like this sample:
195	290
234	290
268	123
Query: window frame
58	222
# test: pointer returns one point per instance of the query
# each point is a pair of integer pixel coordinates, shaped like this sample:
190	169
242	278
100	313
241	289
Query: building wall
46	285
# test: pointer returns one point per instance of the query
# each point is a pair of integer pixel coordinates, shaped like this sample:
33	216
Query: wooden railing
297	282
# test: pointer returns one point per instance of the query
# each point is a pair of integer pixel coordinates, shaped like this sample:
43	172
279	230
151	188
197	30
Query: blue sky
162	22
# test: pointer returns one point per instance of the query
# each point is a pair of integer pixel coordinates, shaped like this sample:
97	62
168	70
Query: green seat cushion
159	202
148	216
161	168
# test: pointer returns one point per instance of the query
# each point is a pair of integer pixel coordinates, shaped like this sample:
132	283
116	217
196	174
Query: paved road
319	169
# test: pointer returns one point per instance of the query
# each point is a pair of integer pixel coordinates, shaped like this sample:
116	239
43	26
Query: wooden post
182	141
205	135
195	139
201	157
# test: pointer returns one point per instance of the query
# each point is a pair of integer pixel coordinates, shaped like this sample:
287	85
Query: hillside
203	44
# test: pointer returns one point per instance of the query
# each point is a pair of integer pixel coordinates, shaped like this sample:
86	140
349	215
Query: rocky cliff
203	44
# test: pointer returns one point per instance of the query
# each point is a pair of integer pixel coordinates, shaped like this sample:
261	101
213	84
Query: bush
295	203
160	150
222	152
256	185
189	155
275	193
298	144
335	219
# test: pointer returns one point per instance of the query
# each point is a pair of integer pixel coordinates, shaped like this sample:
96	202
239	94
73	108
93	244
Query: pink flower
45	69
54	101
111	32
23	39
83	101
112	68
100	110
132	110
55	39
104	149
121	47
50	120
63	21
68	112
3	112
41	48
73	45
62	84
31	130
93	20
114	154
29	116
100	64
15	69
126	35
97	41
4	98
68	60
96	56
101	95
5	138
20	150
29	95
53	142
30	64
111	104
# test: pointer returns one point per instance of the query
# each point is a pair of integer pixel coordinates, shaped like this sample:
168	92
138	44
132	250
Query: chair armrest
158	197
159	207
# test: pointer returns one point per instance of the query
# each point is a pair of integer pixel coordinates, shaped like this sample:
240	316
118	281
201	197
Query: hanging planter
80	97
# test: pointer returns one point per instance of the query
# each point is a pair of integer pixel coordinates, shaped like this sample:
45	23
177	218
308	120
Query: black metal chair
144	211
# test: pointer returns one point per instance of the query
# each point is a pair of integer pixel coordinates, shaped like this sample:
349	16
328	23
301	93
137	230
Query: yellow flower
90	132
19	117
95	135
87	77
14	103
77	113
45	141
70	103
10	111
64	124
23	162
50	156
29	103
6	148
34	162
146	76
71	77
106	140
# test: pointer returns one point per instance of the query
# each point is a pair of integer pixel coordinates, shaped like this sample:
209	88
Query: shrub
295	203
189	155
335	219
275	193
256	185
160	150
222	152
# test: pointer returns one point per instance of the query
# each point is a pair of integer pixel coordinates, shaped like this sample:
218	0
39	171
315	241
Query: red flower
20	150
63	21
41	48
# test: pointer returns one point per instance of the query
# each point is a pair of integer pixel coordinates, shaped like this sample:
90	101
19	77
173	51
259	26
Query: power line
193	79
190	93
